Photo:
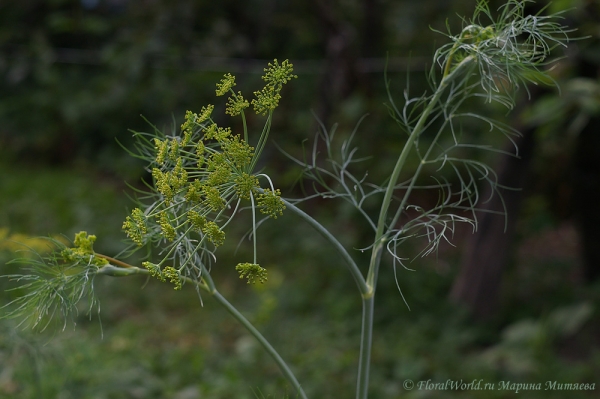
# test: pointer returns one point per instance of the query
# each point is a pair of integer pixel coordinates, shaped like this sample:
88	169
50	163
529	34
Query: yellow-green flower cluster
220	173
197	220
213	199
252	272
245	184
217	133
194	192
236	104
205	113
275	76
200	150
192	120
225	84
169	183
214	233
162	147
270	203
199	178
209	228
169	272
135	226
237	152
173	275
266	100
154	270
84	242
174	151
83	250
168	231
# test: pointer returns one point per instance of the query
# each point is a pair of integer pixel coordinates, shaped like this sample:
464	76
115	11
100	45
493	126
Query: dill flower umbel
252	271
200	177
275	76
225	84
135	226
270	203
83	250
236	104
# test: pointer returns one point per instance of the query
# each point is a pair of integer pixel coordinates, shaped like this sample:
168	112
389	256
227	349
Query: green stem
366	333
245	127
115	261
352	267
443	85
260	338
380	235
253	226
121	271
366	339
289	375
262	141
417	130
368	301
208	285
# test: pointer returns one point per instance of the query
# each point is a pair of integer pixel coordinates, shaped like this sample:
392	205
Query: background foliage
74	76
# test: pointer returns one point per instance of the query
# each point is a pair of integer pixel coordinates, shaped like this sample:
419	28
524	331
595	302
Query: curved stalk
352	267
289	375
207	284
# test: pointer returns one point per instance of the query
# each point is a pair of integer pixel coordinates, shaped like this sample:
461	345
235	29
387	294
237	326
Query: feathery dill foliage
489	59
200	178
508	51
56	282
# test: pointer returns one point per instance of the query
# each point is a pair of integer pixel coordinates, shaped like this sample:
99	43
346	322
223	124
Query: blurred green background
76	75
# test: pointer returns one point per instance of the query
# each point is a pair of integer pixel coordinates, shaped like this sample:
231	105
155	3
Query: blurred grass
45	201
154	342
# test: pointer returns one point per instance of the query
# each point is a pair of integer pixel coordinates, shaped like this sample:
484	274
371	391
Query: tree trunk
487	251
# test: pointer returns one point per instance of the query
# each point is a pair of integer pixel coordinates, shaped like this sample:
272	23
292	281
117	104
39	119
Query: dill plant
203	176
